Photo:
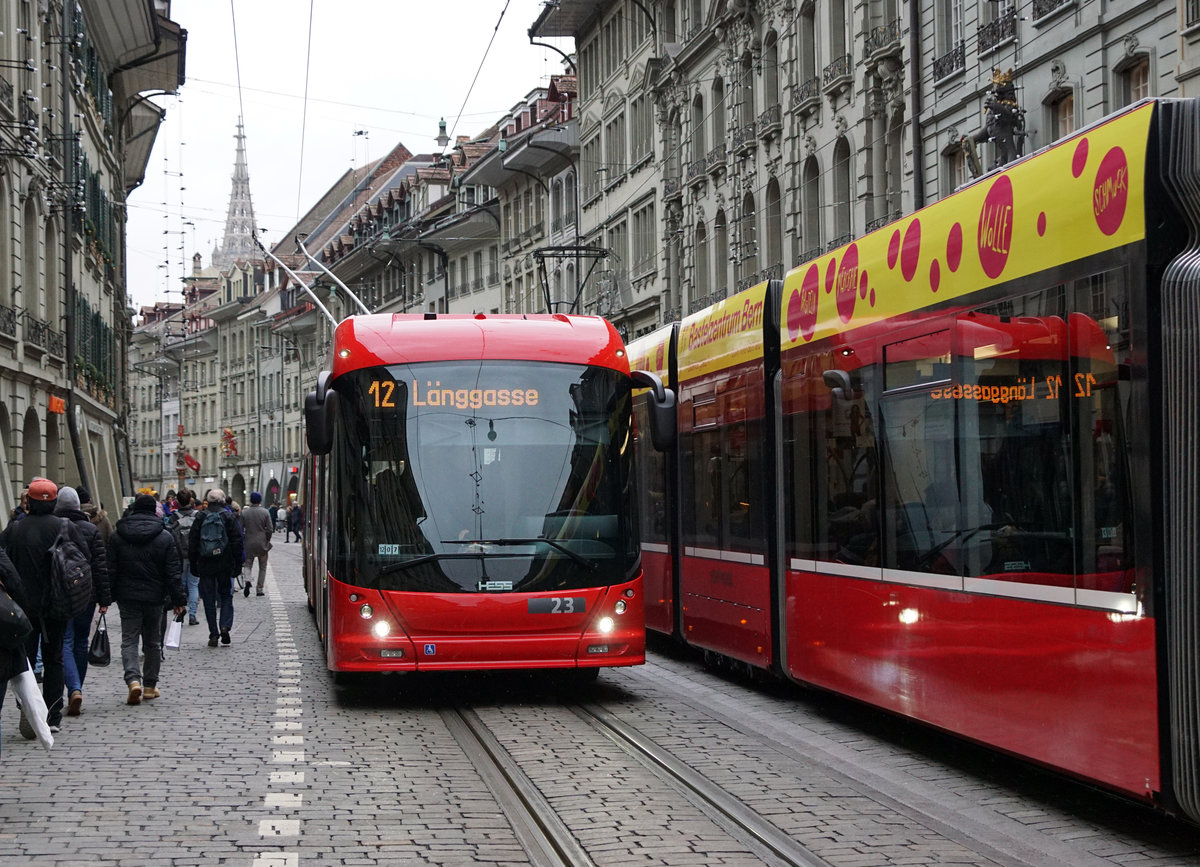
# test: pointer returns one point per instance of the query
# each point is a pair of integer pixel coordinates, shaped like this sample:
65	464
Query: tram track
549	841
544	836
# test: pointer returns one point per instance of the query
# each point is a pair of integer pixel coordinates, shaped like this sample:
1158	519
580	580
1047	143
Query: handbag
14	625
174	633
99	652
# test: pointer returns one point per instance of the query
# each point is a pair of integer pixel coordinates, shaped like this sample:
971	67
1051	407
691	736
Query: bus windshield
488	477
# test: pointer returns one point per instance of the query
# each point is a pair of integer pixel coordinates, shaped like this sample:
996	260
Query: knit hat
255	497
68	499
216	495
43	490
144	503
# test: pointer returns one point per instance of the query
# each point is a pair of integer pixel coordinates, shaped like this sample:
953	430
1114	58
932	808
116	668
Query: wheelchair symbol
430	649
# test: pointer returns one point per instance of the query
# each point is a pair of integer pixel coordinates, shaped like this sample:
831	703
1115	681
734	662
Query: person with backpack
144	567
180	525
27	543
75	642
215	554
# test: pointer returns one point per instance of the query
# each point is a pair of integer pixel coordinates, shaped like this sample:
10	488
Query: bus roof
411	338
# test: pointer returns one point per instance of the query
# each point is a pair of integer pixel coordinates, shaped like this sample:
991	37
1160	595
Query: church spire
238	244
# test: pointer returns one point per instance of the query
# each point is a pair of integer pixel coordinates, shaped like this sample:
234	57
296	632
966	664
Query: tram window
652	479
833	444
722	484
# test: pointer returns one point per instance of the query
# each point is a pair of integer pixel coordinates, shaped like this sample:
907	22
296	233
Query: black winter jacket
101	588
230	561
12	662
27	543
143	562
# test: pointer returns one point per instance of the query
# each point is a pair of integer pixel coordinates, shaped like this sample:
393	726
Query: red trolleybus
984	438
471	495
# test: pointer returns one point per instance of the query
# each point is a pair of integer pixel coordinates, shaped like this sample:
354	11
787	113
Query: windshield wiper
427	558
557	546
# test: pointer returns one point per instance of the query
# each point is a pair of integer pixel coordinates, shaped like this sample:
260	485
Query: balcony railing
770	121
884	36
672	188
743	137
695	171
715	160
836	71
954	60
8	321
807	93
839	241
42	335
996	32
1042	8
809	254
6	94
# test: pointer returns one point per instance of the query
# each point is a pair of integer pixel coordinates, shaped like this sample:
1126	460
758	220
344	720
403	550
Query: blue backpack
213	538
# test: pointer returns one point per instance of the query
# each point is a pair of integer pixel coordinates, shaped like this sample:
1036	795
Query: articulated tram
950	469
469	496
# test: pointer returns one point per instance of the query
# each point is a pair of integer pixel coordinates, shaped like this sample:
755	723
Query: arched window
841	189
746	85
701	279
718	111
5	247
774	225
810	206
31	296
674	146
748	248
720	254
699	145
770	67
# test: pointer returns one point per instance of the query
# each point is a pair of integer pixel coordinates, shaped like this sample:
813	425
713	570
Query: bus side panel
660	594
1070	687
726	608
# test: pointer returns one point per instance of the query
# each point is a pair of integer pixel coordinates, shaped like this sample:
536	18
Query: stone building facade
75	137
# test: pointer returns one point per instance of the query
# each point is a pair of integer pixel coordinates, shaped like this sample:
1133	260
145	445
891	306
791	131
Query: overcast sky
379	72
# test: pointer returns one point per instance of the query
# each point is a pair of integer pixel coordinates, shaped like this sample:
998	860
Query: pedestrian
180	525
295	521
79	628
143	563
13	662
96	514
22	508
257	526
273	510
215	554
27	543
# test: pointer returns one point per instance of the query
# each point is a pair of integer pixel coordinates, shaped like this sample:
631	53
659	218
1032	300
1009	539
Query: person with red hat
27	543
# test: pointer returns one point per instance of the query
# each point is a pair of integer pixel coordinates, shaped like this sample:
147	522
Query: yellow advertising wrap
724	335
649	352
1078	198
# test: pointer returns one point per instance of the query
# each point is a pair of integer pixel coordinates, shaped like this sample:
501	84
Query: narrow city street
252	756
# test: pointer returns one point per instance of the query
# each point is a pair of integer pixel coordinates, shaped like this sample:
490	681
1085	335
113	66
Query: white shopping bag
33	706
174	633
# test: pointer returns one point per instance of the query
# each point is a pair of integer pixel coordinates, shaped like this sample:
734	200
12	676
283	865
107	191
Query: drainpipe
914	63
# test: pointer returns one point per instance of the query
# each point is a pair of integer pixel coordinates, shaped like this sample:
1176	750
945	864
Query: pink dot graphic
910	255
954	247
1079	160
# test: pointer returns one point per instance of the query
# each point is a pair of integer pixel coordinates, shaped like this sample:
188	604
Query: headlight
380	628
605	625
620	606
366	611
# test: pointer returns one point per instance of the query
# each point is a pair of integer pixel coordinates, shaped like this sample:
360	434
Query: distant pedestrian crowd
62	561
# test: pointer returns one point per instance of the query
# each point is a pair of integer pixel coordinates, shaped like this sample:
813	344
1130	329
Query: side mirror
663	423
320	409
838	381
